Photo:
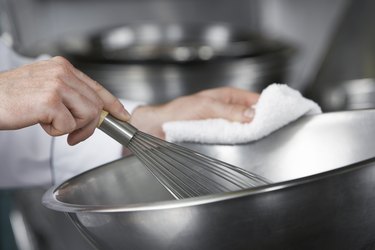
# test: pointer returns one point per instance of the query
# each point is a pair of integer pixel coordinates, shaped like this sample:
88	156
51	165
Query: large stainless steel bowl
323	196
157	62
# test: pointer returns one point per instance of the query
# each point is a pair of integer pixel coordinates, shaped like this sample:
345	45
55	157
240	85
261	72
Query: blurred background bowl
157	62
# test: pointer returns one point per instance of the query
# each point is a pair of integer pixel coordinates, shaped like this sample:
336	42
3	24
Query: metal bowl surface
323	169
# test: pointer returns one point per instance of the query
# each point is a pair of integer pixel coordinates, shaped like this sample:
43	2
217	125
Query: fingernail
125	114
249	113
124	117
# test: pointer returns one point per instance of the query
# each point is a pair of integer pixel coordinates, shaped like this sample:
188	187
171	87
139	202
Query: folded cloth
277	106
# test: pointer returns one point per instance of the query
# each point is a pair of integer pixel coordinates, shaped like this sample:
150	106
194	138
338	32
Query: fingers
62	122
110	102
82	133
231	112
230	103
86	114
57	96
65	111
85	99
232	96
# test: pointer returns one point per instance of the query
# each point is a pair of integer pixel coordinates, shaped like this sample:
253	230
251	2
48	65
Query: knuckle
204	102
56	72
57	86
61	70
100	103
53	95
97	103
61	67
94	111
52	99
61	60
98	87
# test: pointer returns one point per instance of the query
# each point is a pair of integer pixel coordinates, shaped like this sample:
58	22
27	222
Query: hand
228	103
56	95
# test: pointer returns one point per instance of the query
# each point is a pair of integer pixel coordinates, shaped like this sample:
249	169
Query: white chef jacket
30	157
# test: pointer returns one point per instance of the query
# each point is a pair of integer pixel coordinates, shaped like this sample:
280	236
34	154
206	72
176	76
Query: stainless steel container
158	62
323	197
349	95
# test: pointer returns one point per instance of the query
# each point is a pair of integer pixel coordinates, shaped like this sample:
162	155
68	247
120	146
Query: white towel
277	106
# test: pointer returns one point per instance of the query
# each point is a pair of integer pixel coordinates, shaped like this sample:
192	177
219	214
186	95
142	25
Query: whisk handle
121	131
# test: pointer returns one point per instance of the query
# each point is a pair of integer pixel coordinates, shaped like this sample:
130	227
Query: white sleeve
25	157
25	153
9	59
30	157
69	161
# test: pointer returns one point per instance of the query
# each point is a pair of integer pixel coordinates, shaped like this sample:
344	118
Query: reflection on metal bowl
350	95
323	167
158	62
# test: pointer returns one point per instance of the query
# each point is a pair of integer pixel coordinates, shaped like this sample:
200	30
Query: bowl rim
50	200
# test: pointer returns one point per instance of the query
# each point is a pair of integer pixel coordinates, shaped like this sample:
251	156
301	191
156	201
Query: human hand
59	97
228	103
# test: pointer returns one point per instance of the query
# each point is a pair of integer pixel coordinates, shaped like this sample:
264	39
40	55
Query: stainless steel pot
349	95
323	167
158	62
167	42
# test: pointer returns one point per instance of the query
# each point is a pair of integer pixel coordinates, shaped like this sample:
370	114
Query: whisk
183	172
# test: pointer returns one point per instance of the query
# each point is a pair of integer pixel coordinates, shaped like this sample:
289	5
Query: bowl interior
308	146
121	182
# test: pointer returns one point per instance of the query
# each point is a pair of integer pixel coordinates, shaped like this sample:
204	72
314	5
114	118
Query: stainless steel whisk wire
183	172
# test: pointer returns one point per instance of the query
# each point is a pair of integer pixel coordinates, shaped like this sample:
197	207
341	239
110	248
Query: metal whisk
183	172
